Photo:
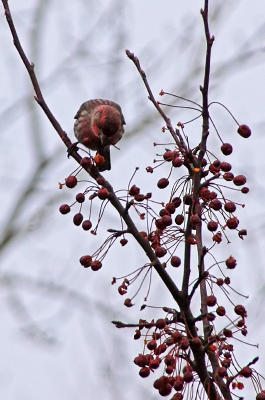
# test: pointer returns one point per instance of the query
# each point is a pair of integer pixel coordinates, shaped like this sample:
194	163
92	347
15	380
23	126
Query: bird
99	124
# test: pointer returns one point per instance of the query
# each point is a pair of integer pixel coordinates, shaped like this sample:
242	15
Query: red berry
168	155
139	197
225	166
187	199
160	224
226	149
80	197
151	345
160	251
123	241
240	310
71	181
212	226
167	220
144	372
170	360
217	237
86	162
242	232
128	302
103	193
177	162
178	383
165	390
175	261
245	190
228	176
78	218
230	207
261	395
86	225
149	169
179	219
154	364
85	261
96	265
232	223
220	311
211	300
239	180
188	376
231	262
64	209
246	372
227	332
140	360
215	204
177	396
134	190
170	207
244	131
160	349
176	201
162	183
195	219
161	323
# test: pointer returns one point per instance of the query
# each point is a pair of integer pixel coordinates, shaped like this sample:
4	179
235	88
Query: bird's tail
105	152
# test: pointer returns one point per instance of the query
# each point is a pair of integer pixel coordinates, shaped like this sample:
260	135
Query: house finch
99	124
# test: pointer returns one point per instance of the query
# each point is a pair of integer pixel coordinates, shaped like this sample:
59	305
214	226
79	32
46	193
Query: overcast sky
56	336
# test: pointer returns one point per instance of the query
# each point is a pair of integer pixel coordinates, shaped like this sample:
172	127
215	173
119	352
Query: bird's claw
72	148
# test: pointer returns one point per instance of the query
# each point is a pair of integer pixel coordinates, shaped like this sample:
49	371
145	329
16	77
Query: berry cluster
166	345
197	203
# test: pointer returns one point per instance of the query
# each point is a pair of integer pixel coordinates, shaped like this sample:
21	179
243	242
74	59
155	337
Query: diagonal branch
93	171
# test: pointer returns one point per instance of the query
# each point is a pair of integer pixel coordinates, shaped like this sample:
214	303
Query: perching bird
99	124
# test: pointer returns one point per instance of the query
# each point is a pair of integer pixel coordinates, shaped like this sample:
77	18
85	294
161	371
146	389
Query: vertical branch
205	132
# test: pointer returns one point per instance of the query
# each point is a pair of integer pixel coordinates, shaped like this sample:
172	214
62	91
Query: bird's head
107	120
